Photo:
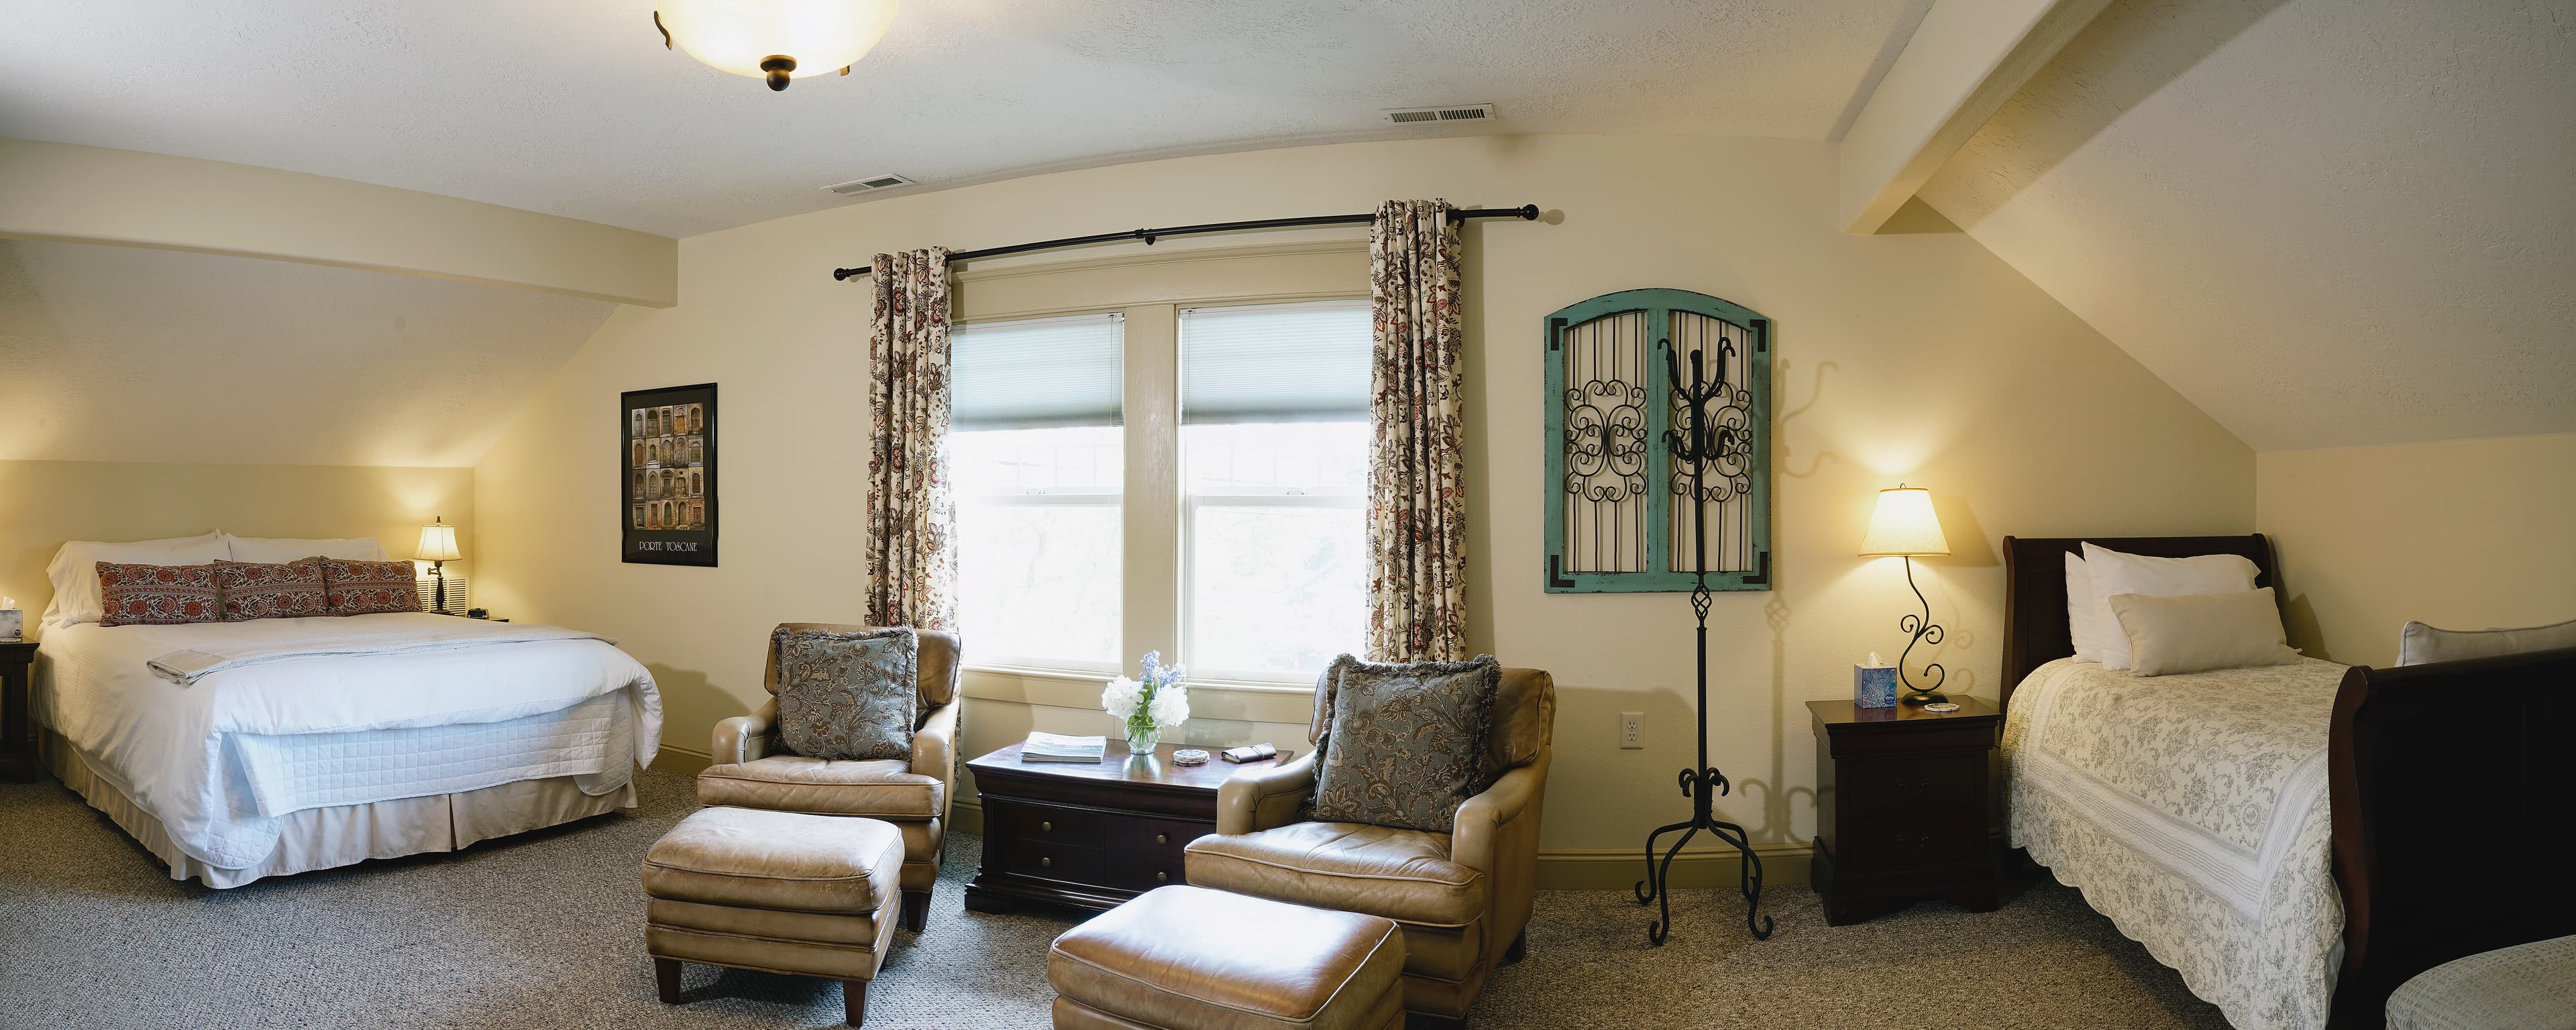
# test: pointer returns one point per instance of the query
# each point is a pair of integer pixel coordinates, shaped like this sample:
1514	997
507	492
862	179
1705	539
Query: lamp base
1924	698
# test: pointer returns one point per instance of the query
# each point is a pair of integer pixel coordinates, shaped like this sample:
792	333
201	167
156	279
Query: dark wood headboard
2035	588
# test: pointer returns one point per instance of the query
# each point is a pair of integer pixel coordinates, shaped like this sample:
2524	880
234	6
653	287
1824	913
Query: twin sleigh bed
2295	840
241	750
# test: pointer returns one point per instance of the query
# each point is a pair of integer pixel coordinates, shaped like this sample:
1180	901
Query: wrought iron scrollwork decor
1622	514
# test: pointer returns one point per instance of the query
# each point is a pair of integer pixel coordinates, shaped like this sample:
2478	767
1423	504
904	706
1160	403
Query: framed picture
668	439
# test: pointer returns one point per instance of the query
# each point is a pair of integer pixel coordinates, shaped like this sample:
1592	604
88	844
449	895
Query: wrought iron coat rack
1695	441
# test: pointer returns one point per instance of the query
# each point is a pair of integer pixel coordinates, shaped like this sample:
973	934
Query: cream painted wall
43	503
2463	534
1914	357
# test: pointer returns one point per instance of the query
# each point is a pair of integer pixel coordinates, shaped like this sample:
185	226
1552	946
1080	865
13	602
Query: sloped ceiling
573	107
128	354
2326	222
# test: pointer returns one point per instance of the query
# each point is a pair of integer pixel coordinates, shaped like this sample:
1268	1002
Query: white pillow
2079	610
2200	632
2117	573
2419	644
286	549
74	570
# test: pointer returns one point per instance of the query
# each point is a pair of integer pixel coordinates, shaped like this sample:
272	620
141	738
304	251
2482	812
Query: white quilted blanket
219	761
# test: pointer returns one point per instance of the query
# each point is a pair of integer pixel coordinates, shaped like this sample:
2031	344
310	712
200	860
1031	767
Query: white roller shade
1275	363
1036	372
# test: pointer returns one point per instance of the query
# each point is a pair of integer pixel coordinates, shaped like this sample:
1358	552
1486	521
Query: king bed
2296	839
235	751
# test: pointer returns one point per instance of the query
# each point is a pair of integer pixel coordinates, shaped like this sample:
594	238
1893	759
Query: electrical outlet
1632	729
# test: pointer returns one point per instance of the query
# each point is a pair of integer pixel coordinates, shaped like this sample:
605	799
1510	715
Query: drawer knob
1914	786
1044	861
1160	876
1162	838
1046	826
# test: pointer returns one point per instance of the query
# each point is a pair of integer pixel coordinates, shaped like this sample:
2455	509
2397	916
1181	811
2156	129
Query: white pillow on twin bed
2419	644
2116	573
2200	632
74	570
273	550
2079	610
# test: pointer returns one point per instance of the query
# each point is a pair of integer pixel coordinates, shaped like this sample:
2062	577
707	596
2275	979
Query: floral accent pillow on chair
847	695
1407	743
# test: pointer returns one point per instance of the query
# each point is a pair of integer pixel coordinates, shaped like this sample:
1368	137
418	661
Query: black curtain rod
1525	212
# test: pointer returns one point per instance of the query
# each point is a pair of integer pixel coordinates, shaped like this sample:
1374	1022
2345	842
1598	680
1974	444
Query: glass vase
1142	736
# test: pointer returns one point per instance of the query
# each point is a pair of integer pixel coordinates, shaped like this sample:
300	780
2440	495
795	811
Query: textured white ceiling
127	354
573	107
2327	222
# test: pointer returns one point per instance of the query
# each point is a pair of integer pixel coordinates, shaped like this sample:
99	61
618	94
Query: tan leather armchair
1463	898
752	771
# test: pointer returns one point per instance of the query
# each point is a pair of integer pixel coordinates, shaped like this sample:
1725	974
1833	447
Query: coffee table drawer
1156	836
1066	862
1048	824
1144	870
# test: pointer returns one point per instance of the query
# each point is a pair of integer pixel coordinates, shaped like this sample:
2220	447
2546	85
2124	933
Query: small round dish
1940	706
1189	756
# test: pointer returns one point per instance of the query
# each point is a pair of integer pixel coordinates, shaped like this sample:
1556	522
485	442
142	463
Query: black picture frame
666	475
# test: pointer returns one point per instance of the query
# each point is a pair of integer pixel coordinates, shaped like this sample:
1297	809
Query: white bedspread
219	761
2192	811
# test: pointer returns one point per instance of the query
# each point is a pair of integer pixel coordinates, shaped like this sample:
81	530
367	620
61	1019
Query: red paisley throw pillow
259	590
156	595
368	587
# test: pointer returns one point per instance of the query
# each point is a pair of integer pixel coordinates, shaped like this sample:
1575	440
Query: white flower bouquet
1148	706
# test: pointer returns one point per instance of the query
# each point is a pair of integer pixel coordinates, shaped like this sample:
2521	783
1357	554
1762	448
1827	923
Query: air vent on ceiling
1452	113
870	184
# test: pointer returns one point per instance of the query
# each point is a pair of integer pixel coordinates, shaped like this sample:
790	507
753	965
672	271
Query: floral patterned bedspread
2192	811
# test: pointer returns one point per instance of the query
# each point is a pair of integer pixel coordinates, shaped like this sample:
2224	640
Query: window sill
1078	689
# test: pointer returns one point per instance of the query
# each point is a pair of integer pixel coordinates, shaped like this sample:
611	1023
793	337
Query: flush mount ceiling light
774	39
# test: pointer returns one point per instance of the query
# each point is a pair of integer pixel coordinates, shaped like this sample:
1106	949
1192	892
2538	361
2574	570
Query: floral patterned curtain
912	556
1417	518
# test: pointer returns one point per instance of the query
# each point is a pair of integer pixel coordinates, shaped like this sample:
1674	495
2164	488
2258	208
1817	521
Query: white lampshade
1904	525
438	543
739	36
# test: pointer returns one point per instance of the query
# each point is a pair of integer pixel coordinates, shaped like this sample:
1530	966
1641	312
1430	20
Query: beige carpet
544	930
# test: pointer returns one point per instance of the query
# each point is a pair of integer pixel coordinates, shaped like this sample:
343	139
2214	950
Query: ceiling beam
59	191
1964	61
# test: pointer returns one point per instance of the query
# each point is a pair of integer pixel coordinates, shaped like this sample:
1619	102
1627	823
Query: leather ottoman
1188	958
781	892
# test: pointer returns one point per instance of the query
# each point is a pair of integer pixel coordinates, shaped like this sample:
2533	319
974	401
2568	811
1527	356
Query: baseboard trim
1593	869
1586	869
682	760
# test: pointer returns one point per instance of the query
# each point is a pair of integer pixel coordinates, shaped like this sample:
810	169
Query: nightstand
17	734
1902	807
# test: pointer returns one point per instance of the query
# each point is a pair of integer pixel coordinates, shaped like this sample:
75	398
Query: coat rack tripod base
1696	441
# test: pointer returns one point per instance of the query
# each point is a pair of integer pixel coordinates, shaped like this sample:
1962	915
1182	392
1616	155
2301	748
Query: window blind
1035	373
1275	363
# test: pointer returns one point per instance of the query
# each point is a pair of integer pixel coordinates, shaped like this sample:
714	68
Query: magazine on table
1057	747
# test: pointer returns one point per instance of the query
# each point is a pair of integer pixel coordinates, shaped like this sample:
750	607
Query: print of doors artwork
1619	511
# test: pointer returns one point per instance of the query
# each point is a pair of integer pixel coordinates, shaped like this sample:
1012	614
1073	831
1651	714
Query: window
1274	444
1036	460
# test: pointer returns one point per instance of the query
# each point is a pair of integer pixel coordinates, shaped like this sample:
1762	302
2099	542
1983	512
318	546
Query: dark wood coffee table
1090	835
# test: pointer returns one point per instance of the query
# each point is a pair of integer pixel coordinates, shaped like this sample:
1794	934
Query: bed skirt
325	838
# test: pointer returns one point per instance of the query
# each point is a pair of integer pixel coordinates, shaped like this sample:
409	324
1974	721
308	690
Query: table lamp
438	547
1904	526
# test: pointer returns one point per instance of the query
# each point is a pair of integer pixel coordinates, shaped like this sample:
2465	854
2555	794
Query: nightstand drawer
1058	862
1895	786
1144	870
1156	836
1896	842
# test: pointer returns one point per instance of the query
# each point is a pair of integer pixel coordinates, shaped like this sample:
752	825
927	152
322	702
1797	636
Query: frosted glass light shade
1904	525
438	543
739	36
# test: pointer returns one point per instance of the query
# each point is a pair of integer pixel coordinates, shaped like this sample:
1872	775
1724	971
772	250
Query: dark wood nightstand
17	733
1091	835
1902	807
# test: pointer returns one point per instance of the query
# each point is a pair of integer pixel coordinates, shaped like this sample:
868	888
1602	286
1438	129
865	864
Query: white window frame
1149	291
1286	497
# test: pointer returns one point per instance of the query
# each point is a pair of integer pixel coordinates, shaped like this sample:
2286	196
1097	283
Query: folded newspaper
1056	747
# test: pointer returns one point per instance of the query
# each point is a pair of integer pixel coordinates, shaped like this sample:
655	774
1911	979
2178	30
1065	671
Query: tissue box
1873	688
13	623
